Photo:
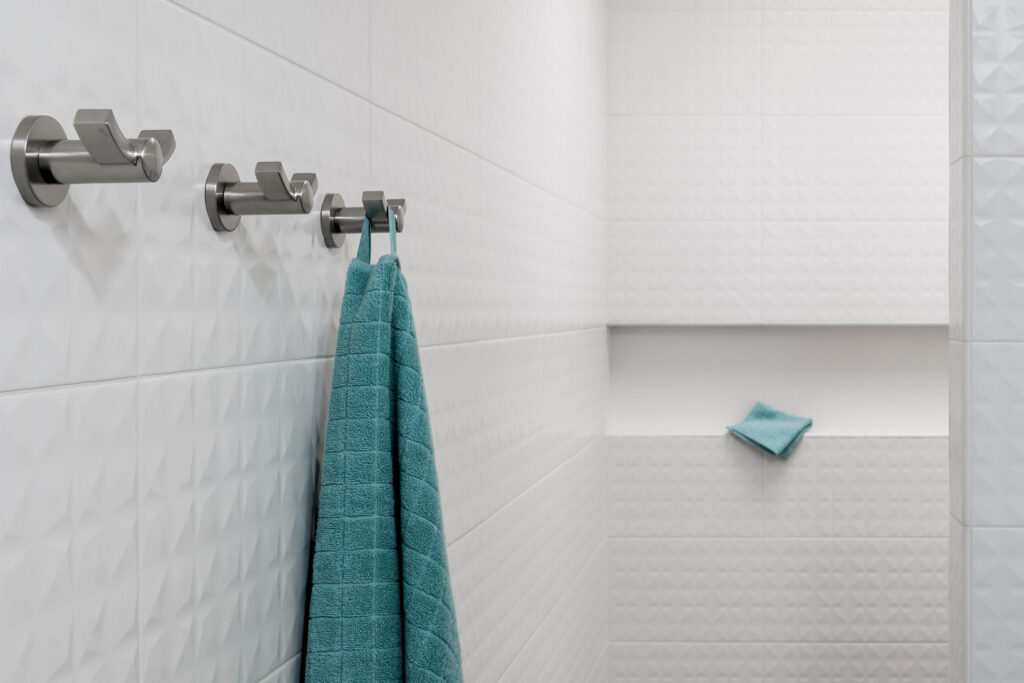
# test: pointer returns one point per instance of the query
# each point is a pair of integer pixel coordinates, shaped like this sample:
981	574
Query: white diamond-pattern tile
537	266
855	168
227	479
996	434
997	76
511	569
683	486
855	273
859	486
996	223
685	662
429	77
890	590
997	563
67	274
695	272
694	168
685	589
331	39
568	643
484	462
706	62
269	290
68	550
855	663
855	63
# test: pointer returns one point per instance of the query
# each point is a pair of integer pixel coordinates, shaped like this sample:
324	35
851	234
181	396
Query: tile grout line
374	105
139	9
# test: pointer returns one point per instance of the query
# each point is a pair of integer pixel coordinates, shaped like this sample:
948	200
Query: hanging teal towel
772	430
381	601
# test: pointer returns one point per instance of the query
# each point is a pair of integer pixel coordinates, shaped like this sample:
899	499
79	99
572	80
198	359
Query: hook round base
332	201
32	133
219	176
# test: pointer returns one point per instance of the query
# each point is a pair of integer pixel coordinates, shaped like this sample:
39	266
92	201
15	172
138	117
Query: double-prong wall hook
227	199
45	162
338	219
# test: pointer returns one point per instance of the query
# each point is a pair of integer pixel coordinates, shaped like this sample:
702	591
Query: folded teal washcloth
772	430
381	605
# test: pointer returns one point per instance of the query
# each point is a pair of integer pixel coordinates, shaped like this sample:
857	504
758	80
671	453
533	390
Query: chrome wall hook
227	199
45	162
338	219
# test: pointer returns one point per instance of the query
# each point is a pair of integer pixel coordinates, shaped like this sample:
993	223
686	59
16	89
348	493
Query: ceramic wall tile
960	260
685	662
330	39
265	291
510	570
683	486
67	273
68	536
997	74
484	463
684	63
996	280
855	662
693	168
678	273
996	556
886	62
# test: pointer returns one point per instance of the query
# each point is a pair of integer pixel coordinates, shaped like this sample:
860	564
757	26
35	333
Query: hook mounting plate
220	176
32	133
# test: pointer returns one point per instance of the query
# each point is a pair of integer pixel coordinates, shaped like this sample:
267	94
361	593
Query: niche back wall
163	387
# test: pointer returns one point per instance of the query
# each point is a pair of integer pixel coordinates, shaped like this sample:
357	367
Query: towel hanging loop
338	219
273	193
45	162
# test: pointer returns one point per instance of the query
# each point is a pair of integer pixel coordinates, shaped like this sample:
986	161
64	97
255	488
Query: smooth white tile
706	62
959	428
959	605
960	260
67	274
997	653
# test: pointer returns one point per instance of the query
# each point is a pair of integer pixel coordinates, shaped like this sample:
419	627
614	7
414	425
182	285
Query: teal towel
381	602
772	430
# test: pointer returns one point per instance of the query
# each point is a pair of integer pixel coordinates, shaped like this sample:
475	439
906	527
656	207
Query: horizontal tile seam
564	597
369	101
521	337
807	437
766	115
450	543
736	537
764	10
778	642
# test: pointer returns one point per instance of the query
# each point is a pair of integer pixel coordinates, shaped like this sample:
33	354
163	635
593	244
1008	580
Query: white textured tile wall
726	565
986	340
163	387
778	162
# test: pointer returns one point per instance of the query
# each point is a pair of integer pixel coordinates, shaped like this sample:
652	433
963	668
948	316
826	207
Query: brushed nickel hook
337	219
45	163
227	199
